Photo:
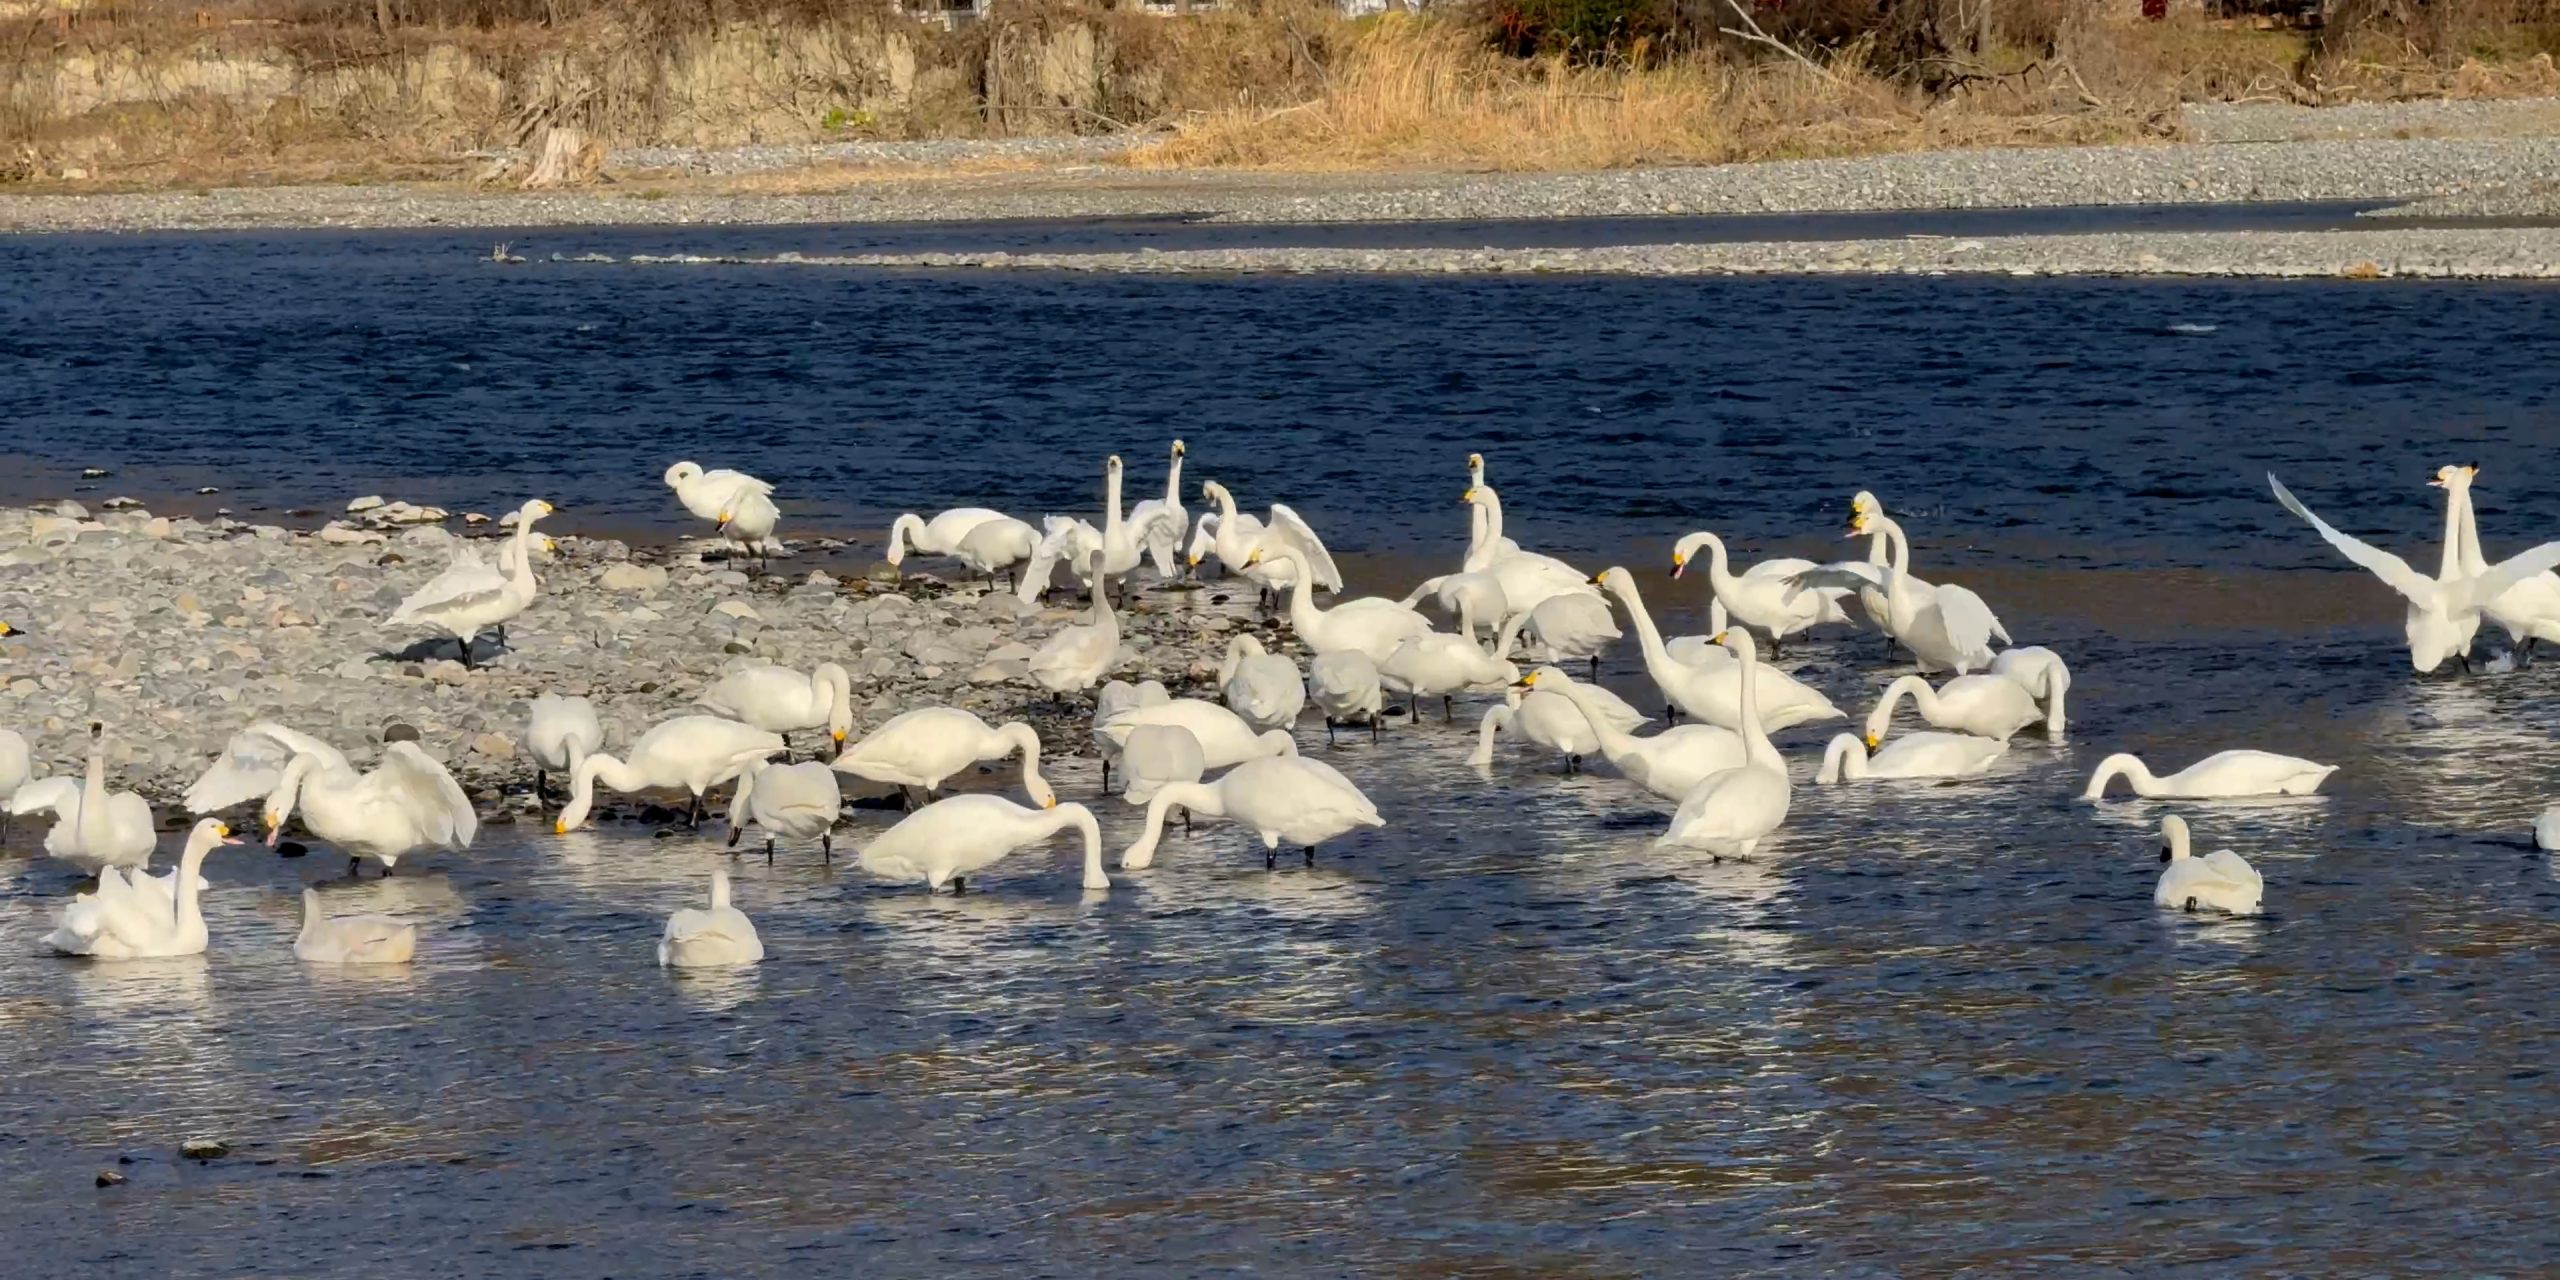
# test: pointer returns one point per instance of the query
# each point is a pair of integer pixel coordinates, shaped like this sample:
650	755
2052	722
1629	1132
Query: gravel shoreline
176	633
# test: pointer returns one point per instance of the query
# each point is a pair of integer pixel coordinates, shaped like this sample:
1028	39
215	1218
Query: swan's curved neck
1303	613
2133	771
1845	757
1756	746
904	528
523	576
1614	743
93	795
1198	797
190	865
1017	736
1657	658
1897	567
2178	844
1912	687
582	786
1494	722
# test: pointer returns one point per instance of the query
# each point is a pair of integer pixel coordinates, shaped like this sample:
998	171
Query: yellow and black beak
7	630
1679	564
1874	740
1529	681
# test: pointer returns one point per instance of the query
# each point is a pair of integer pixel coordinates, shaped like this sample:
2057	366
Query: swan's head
1685	548
1738	640
210	833
2454	476
682	472
533	510
1179	449
1861	522
1874	739
1866	502
1475	462
1111	466
1529	681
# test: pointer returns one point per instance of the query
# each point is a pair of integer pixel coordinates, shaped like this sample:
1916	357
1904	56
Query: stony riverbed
176	632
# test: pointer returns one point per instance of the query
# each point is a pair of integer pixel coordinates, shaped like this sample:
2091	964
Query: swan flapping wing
410	783
2503	576
2394	571
1159	530
468	583
252	765
1295	534
1969	622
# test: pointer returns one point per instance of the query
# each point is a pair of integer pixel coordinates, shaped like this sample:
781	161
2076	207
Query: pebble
203	1149
633	577
110	1178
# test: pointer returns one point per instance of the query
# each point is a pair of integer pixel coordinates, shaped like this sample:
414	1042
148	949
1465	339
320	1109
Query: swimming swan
696	753
2222	775
472	596
93	828
717	937
1712	691
1913	755
351	939
1985	706
406	804
1544	715
950	840
1670	763
1289	799
921	748
120	921
787	802
2218	881
1729	813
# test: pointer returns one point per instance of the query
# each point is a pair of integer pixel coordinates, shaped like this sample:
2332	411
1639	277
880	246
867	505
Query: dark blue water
1939	1029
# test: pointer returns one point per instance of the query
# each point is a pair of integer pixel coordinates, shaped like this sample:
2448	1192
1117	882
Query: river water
1936	1028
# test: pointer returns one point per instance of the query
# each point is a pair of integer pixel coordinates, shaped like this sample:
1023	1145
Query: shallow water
1939	1027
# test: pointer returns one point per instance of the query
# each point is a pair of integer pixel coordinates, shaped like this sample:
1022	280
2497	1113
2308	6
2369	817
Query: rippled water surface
1937	1027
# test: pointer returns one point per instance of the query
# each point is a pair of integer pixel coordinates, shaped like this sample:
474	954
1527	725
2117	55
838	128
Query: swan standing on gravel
939	536
738	503
561	733
1072	660
1262	687
2444	611
1730	813
1345	687
1125	540
1985	706
1237	537
921	748
787	802
1371	624
1161	521
93	828
1711	690
1761	598
1063	540
950	840
2040	672
252	766
696	753
2529	611
779	699
471	596
351	939
1913	755
2219	881
1669	764
1288	799
2220	776
1002	546
406	804
716	937
119	921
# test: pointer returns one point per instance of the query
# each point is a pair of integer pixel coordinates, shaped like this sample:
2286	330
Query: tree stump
565	158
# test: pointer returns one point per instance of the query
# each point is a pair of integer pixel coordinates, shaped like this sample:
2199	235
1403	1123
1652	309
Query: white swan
2222	775
1004	545
1262	687
738	503
252	766
1120	695
2041	673
1479	537
1527	577
787	802
1761	598
1986	706
1913	755
560	733
1572	627
716	937
351	939
120	921
2529	611
93	828
1064	540
1870	572
16	764
2444	611
939	536
1154	756
696	753
1439	665
1344	686
1471	599
2546	829
1371	624
2220	881
406	804
1730	813
1124	539
472	596
1670	763
1289	799
1712	691
780	699
1237	537
1225	738
921	748
1947	627
1547	717
950	840
1078	655
1160	521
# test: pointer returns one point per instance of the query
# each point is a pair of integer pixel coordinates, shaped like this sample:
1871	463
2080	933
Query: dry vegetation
144	92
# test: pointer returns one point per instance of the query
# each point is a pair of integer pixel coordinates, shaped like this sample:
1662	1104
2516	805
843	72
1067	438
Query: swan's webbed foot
2524	652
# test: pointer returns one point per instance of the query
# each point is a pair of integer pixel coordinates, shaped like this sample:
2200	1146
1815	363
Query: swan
1225	738
406	804
1371	624
1947	628
787	802
1436	664
1345	687
2220	880
1670	763
1004	545
921	748
121	922
1237	537
1712	691
952	839
1124	540
1160	521
351	939
1986	706
15	766
1470	598
93	828
1870	595
560	734
1567	628
1262	687
1548	718
696	753
1760	598
715	937
779	699
1729	813
939	536
471	596
252	766
1477	533
1527	577
2444	611
2041	673
1063	540
2222	775
1120	695
2529	611
1078	655
2546	829
741	505
1288	799
1913	755
1157	755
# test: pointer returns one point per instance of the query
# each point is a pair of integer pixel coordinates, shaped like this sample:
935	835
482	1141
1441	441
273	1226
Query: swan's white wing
1300	536
1204	536
1159	531
1969	622
411	780
2232	867
2503	576
1830	577
2394	571
732	485
469	583
252	764
59	796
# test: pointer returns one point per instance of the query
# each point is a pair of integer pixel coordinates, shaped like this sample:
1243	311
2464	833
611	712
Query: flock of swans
1235	757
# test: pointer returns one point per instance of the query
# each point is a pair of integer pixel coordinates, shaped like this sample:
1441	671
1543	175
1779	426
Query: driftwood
565	158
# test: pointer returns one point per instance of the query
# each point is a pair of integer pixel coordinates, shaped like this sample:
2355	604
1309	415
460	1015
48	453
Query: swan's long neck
1614	743
1235	657
93	796
312	915
2178	843
2057	686
1017	736
1489	531
1897	567
906	527
1494	721
1111	502
719	888
2133	771
1081	819
1173	483
1303	613
1198	797
1657	658
190	865
582	786
288	793
746	787
1756	746
1719	567
1479	547
1845	757
1912	687
2473	561
522	578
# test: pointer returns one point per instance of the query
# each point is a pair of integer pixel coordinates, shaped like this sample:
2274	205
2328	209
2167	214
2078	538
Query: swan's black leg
1186	821
1595	668
1311	855
1271	858
541	792
2524	655
734	833
1106	775
1328	741
354	867
1446	715
827	847
693	814
1373	730
768	851
959	885
2465	660
1671	713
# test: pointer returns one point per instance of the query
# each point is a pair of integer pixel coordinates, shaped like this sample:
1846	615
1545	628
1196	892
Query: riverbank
176	633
